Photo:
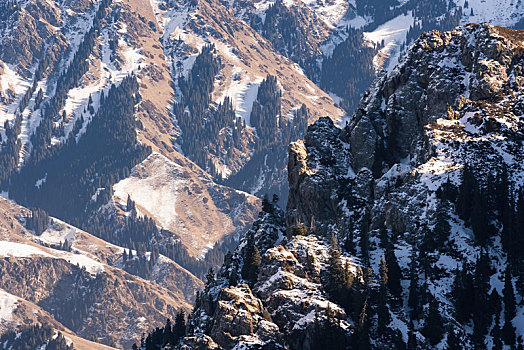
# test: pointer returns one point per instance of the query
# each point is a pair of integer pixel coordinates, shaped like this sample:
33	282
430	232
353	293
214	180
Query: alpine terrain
255	174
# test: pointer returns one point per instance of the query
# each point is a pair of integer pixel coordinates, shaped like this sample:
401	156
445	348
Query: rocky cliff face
280	306
433	151
453	96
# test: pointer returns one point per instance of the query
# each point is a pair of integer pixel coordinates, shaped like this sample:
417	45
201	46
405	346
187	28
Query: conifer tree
179	328
433	327
394	272
442	227
210	277
414	291
168	334
481	314
340	280
382	308
412	338
479	217
466	193
360	338
251	262
462	292
364	239
267	206
508	331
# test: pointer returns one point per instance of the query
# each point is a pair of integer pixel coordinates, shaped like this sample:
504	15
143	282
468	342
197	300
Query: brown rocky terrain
84	290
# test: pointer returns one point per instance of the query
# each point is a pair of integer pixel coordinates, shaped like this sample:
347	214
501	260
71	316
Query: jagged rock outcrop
450	108
316	176
476	62
434	149
283	307
239	312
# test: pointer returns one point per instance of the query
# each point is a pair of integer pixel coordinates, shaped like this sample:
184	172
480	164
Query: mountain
401	229
139	141
92	137
343	45
75	282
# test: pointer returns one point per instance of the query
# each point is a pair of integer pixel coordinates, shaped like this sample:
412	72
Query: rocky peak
315	173
440	71
281	307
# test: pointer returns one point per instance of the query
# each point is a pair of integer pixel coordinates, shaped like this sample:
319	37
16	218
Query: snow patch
242	91
8	304
156	192
392	34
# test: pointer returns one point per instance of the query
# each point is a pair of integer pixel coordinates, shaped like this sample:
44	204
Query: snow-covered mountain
79	284
156	127
421	190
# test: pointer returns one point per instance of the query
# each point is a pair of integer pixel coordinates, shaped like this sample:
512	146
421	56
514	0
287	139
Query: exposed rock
239	313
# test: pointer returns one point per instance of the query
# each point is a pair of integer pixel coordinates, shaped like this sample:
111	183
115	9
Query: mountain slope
72	276
417	190
100	48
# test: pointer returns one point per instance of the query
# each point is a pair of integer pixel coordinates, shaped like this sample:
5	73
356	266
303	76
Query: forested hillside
340	173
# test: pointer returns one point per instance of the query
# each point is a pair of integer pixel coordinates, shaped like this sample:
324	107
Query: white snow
504	13
335	13
8	304
41	181
58	232
155	192
171	21
91	265
21	250
393	35
242	91
31	120
11	84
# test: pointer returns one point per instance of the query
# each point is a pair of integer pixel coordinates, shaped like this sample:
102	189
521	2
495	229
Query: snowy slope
8	304
193	207
505	13
392	34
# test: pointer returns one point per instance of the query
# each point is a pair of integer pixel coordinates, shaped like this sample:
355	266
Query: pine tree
481	314
360	338
382	308
479	217
251	262
466	193
508	331
394	273
340	279
179	329
167	335
414	291
267	206
412	337
210	277
442	227
496	332
462	292
433	329
364	239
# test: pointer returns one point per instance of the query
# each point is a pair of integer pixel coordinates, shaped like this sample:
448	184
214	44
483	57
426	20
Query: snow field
393	35
8	304
156	192
21	250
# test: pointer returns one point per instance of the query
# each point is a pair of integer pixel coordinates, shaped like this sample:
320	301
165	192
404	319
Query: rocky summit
398	226
252	174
